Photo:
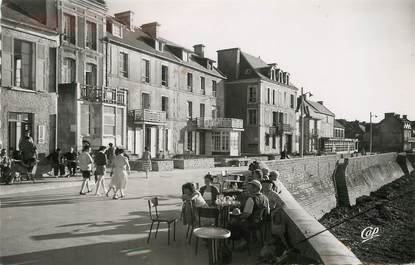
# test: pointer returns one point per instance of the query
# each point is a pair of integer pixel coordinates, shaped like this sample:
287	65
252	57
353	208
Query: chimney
389	114
126	18
199	50
151	29
320	102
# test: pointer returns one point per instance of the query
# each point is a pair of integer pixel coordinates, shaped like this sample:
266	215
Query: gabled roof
337	124
137	40
319	107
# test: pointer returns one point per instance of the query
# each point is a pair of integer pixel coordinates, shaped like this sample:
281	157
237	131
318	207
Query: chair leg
168	234
197	243
190	237
149	233
157	229
187	233
174	230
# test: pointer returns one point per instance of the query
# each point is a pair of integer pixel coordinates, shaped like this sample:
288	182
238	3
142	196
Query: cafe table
213	235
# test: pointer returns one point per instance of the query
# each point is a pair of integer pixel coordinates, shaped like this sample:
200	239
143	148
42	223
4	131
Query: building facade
393	134
89	111
262	96
28	100
175	95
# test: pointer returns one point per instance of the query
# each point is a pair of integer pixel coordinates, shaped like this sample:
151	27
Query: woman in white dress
120	167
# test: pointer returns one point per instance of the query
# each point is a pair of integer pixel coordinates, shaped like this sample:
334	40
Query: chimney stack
151	29
126	18
320	102
199	49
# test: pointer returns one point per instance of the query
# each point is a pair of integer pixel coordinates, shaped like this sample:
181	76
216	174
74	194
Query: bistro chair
211	213
155	218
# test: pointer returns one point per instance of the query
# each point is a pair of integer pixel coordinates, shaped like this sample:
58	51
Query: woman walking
100	167
120	167
146	161
85	165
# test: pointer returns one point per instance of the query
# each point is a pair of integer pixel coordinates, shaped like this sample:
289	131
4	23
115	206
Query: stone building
393	134
262	96
28	100
356	130
175	95
88	109
318	124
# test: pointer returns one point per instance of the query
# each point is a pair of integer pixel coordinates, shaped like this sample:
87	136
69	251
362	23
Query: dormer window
116	31
185	56
159	46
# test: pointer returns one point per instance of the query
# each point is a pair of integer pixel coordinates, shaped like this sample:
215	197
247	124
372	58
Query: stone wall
310	181
358	176
194	163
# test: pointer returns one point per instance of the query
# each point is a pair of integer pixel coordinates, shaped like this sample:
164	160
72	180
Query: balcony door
145	101
90	74
202	110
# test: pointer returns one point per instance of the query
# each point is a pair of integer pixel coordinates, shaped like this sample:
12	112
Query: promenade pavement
58	226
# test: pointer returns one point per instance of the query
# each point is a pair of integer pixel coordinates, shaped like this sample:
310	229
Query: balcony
147	116
103	95
279	129
411	140
211	123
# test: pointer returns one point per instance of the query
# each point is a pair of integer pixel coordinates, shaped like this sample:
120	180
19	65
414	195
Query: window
146	71
273	97
190	82
285	98
85	120
202	85
109	120
281	117
214	88
23	64
292	101
267	139
165	105
90	74
185	56
91	35
274	142
214	112
252	94
69	28
164	75
202	110
252	119
124	64
268	96
159	45
189	141
274	118
116	31
189	110
69	70
220	141
145	101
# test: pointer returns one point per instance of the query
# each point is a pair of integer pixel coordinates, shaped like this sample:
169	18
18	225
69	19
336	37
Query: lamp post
302	120
371	129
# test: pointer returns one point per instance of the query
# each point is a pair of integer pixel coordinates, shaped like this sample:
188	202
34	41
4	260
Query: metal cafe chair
212	213
155	218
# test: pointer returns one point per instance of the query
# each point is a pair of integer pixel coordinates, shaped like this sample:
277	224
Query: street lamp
302	120
371	136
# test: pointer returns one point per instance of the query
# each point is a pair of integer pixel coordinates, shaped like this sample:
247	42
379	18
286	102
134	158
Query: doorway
202	143
18	124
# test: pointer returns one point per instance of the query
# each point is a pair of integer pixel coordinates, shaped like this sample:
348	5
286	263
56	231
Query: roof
319	107
136	40
337	124
12	12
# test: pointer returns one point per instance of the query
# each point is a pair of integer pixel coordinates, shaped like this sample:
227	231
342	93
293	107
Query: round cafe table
212	234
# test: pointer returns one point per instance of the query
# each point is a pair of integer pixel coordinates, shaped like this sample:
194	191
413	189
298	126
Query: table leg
210	251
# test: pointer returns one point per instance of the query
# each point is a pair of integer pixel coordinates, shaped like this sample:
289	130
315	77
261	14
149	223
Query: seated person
256	206
56	159
5	164
209	192
274	177
275	203
192	199
71	158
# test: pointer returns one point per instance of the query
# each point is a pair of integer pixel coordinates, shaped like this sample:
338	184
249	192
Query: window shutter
100	34
41	134
81	32
40	67
7	61
114	60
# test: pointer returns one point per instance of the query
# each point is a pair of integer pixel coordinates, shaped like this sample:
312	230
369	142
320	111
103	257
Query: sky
358	56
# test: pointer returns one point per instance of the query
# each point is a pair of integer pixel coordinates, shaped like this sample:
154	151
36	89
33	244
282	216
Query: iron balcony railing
279	128
104	95
209	123
147	115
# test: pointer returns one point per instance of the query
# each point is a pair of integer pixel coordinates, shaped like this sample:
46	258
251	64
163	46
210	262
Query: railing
279	129
147	115
209	123
103	95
